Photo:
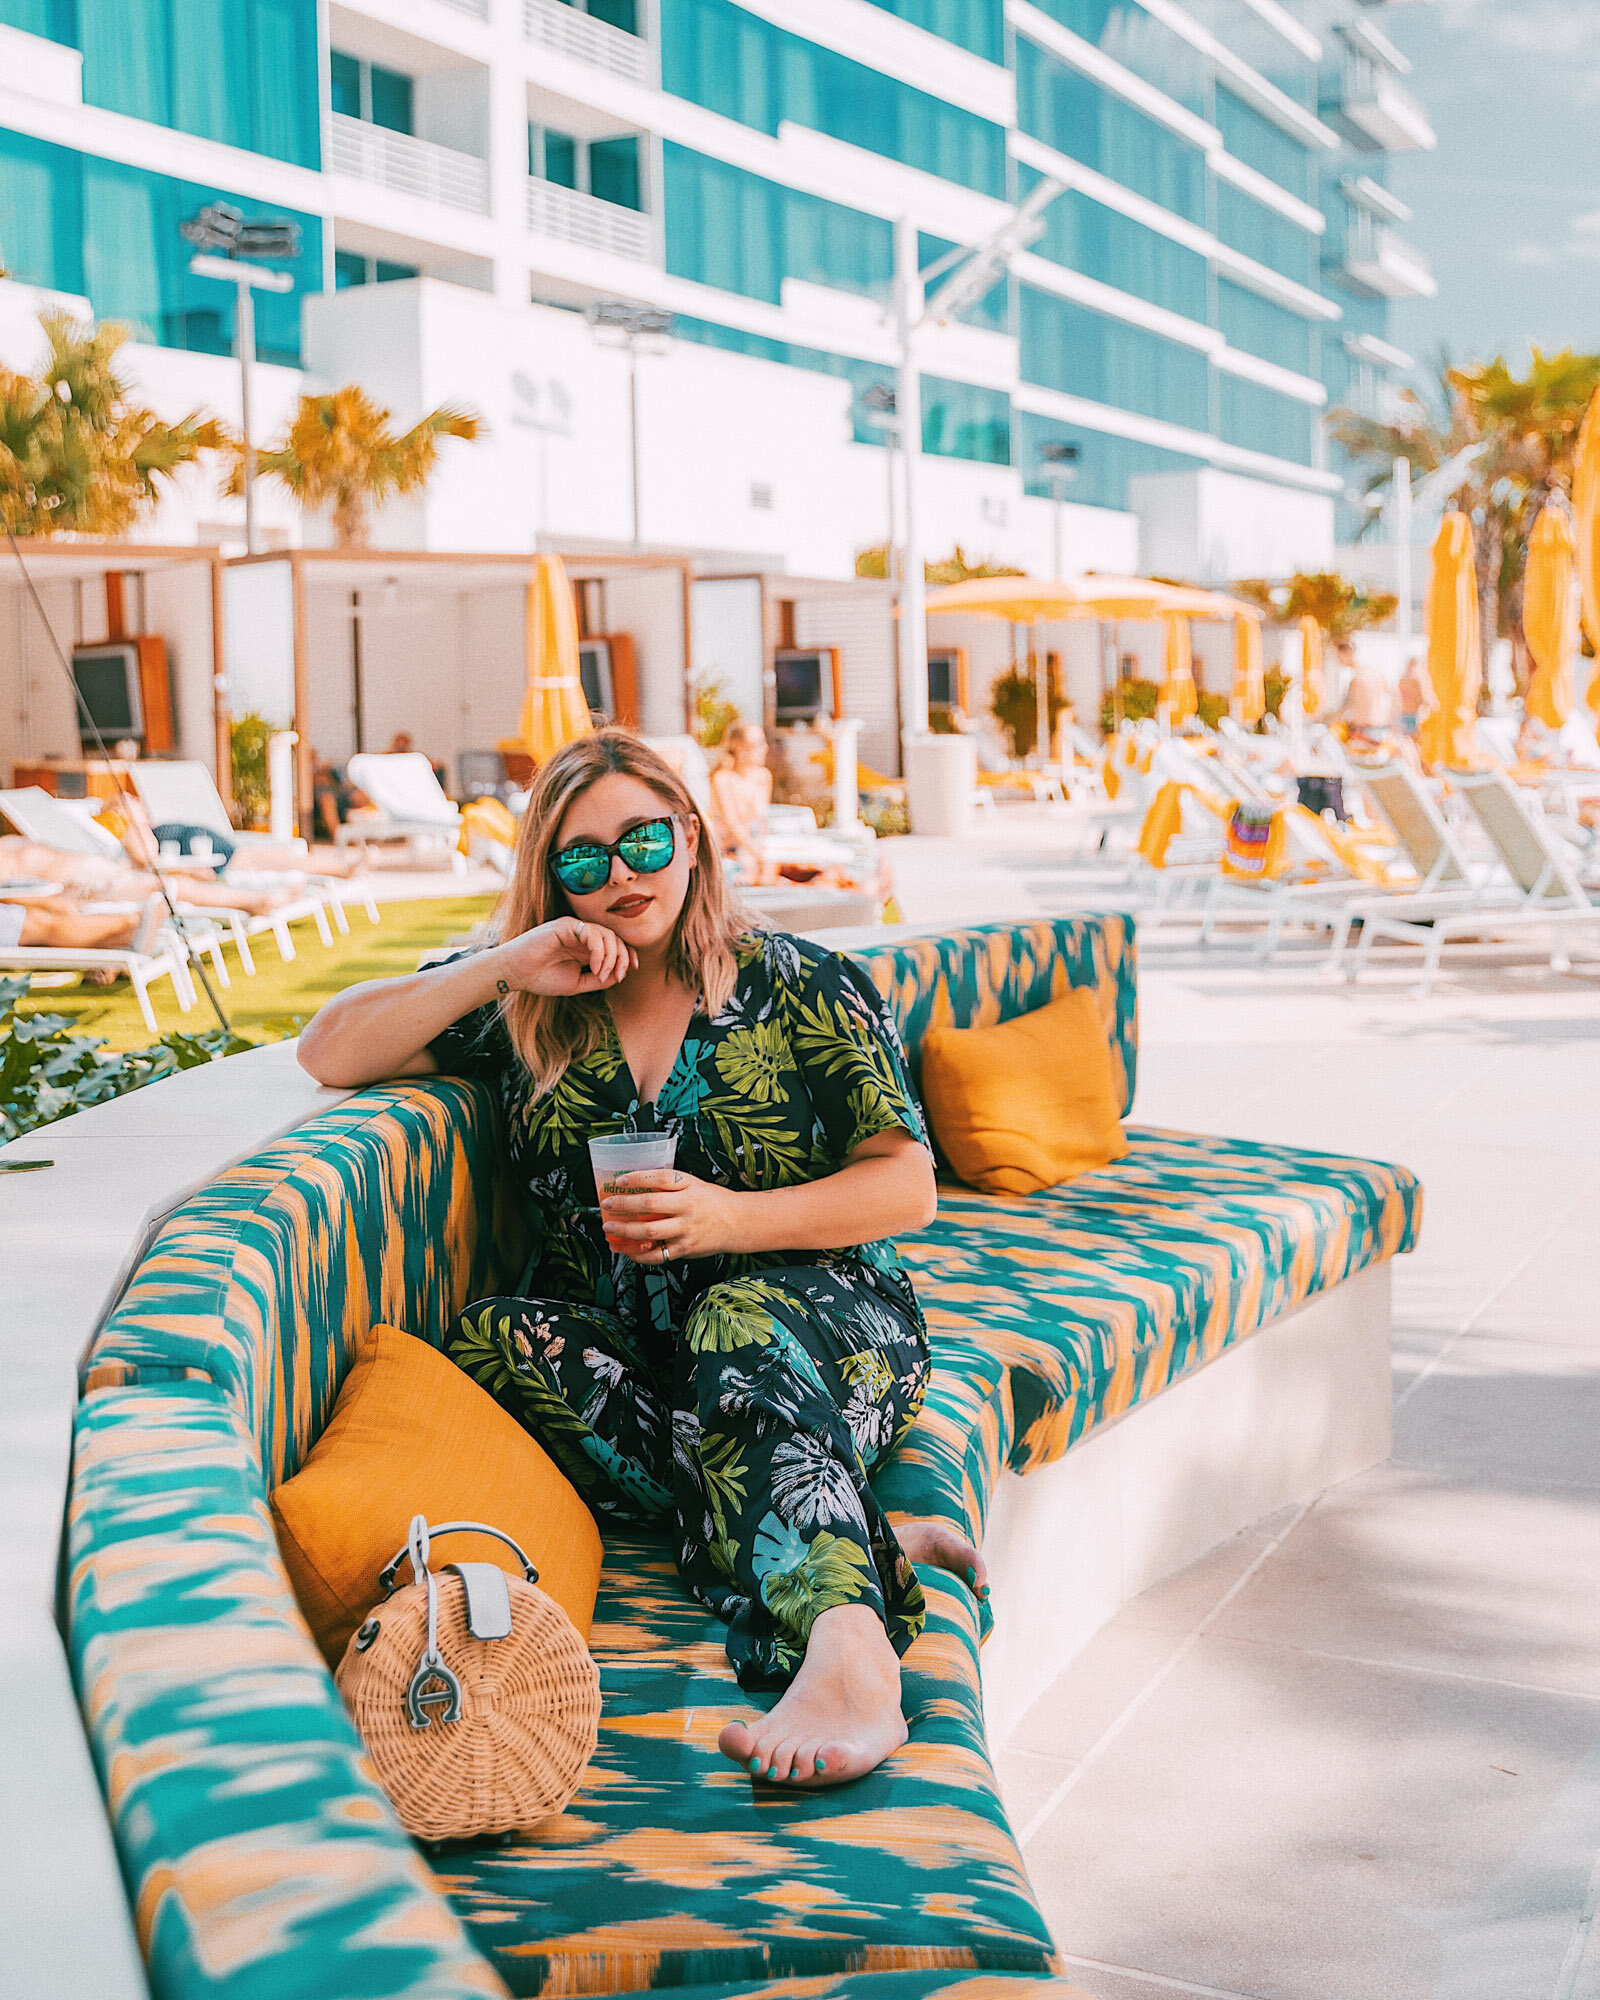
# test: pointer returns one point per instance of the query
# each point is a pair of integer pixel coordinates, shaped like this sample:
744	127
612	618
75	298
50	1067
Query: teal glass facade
243	72
1073	113
74	223
977	25
1255	139
1271	332
1123	30
1259	419
1084	235
1259	232
1105	462
743	234
1082	353
717	55
961	420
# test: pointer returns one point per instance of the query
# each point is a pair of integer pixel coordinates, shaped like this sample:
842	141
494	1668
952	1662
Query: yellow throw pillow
1029	1103
411	1434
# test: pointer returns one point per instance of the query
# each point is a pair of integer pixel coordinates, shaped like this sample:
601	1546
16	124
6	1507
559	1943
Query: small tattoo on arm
501	988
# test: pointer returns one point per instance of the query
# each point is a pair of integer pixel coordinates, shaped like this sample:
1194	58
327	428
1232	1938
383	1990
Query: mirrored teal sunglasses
585	865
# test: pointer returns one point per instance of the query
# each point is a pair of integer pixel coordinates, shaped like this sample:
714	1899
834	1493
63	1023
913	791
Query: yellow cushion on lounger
412	1434
1027	1104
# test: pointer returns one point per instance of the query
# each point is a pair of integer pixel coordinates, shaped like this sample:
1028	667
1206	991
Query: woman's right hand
564	957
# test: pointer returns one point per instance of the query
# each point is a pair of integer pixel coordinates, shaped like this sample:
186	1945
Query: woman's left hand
666	1215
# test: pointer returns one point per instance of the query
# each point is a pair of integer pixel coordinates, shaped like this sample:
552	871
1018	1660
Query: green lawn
265	1007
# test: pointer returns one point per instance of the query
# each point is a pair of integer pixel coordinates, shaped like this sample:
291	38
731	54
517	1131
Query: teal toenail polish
972	1576
755	1766
822	1763
773	1772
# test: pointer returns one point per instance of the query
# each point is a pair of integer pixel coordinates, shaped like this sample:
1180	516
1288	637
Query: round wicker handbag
474	1692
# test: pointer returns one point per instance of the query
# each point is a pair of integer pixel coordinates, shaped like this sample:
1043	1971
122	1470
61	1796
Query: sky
1508	208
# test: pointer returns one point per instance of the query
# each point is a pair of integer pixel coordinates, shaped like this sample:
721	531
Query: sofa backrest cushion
987	973
389	1208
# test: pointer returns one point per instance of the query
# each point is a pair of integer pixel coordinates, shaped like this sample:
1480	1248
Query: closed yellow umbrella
554	711
1586	524
1178	688
1548	590
1447	736
1249	675
1312	692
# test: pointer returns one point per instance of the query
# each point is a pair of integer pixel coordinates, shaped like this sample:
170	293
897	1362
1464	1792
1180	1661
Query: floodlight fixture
219	226
630	317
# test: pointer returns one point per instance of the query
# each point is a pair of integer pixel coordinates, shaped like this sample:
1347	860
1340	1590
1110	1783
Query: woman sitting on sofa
732	1344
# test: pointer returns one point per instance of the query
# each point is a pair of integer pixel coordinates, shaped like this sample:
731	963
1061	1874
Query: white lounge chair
63	825
1541	893
410	801
182	792
164	956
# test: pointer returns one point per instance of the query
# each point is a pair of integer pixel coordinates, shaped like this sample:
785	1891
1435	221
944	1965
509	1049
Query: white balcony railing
1380	262
478	9
550	25
409	166
573	217
1377	112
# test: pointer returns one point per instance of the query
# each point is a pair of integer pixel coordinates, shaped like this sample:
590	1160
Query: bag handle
420	1537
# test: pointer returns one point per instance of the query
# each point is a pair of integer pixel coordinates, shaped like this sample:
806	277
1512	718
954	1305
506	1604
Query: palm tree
340	453
1340	607
1528	428
77	456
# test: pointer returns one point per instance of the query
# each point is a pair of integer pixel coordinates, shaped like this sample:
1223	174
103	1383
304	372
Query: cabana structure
166	601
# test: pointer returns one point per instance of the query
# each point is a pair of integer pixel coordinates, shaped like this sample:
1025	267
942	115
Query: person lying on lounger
88	878
62	925
729	1346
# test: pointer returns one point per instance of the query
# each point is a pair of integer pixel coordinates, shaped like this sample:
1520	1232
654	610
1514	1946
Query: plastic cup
629	1153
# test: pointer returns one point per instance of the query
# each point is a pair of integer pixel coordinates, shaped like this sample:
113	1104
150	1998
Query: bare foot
841	1715
946	1548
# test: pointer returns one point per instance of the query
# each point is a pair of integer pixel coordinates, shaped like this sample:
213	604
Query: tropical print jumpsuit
745	1399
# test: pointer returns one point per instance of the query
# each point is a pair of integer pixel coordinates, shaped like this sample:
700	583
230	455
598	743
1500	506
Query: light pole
963	276
221	227
1061	462
881	408
634	323
1402	555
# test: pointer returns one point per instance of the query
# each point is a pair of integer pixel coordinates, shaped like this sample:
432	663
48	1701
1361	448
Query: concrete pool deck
1355	1753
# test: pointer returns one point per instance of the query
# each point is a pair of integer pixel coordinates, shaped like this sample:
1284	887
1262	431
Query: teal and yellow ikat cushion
1053	1313
672	1869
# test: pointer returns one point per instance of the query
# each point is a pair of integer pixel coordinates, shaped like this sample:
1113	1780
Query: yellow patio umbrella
1177	686
1549	587
1586	523
1312	692
554	711
1447	734
1249	673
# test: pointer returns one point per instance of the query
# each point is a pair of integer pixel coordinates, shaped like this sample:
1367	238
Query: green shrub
1139	700
48	1070
252	794
714	714
1211	709
885	815
1014	704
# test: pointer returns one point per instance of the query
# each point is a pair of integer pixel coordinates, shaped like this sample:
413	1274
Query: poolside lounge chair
411	805
163	956
62	824
184	793
1543	894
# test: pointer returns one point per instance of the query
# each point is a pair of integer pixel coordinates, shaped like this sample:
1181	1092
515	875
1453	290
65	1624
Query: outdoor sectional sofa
1228	1299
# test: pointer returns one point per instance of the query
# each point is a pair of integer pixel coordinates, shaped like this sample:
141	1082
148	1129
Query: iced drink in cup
629	1153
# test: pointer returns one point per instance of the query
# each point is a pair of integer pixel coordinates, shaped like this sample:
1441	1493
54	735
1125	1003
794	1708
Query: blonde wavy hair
549	1032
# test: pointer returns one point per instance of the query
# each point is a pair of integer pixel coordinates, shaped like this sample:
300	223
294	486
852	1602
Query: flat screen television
798	684
107	678
594	670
